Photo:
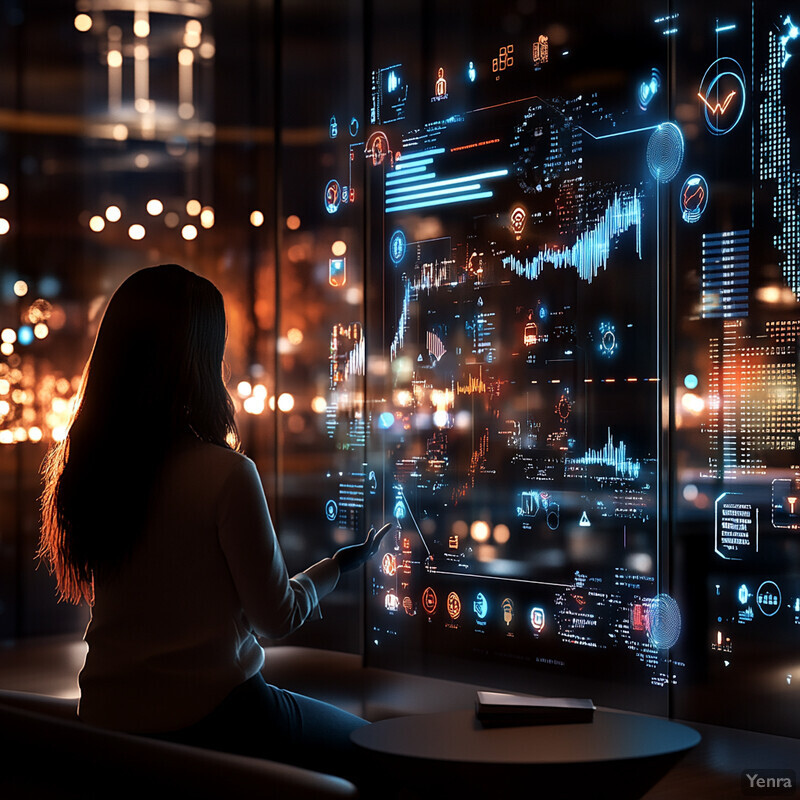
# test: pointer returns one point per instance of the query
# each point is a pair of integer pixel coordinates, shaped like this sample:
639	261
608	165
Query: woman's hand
354	555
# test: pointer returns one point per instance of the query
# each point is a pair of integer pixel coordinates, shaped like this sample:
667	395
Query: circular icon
662	621
768	598
553	516
429	600
353	126
389	564
454	605
665	152
331	510
723	93
392	602
608	339
537	619
694	198
408	606
480	606
397	247
333	196
563	408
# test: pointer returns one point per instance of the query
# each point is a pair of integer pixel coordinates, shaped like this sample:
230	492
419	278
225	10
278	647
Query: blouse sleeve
274	604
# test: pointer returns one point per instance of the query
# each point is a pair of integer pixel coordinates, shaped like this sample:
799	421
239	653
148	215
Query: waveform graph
665	149
723	94
589	253
613	456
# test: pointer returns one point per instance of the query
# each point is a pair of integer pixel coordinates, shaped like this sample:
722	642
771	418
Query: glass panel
518	168
320	394
736	562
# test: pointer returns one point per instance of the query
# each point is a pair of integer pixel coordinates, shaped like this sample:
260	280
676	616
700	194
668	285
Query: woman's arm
274	603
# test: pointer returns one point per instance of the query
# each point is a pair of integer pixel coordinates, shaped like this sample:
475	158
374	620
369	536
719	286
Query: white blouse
174	630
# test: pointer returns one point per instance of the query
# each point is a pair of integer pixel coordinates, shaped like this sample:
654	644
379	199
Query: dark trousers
260	720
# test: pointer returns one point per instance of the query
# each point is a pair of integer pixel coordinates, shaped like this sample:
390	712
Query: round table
623	754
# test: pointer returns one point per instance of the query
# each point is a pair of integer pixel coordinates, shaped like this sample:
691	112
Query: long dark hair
153	379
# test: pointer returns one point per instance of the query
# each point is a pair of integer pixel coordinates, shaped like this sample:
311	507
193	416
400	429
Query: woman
152	515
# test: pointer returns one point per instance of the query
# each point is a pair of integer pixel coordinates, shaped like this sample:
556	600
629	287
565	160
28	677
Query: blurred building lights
141	160
207	217
171	219
338	248
136	232
5	227
192	33
113	214
207	50
693	403
114	59
83	23
154	207
40	330
97	223
193	207
480	531
3	192
319	405
259	390
189	232
295	336
293	222
244	389
9	335
254	405
141	24
119	132
501	534
441	418
35	433
256	219
20	288
6	348
286	402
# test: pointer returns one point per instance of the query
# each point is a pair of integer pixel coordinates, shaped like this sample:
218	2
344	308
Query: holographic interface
582	286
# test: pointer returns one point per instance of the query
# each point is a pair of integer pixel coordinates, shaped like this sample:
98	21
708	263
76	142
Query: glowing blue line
726	28
392	180
421	154
498	173
621	133
436	193
441	202
412	168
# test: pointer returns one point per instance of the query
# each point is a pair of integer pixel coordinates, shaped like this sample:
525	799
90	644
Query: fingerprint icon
665	152
663	621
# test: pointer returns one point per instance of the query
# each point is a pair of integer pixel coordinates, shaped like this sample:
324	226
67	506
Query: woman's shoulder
215	461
